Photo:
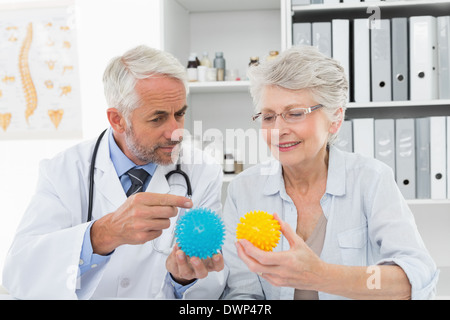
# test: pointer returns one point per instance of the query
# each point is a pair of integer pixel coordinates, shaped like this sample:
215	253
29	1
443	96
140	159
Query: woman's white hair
299	68
142	62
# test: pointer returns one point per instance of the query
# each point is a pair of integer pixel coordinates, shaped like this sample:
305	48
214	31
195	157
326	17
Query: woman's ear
116	120
336	124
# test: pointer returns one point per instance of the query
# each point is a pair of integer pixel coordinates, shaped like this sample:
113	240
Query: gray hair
304	67
142	62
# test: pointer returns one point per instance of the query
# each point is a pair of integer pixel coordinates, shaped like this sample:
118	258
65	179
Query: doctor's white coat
43	260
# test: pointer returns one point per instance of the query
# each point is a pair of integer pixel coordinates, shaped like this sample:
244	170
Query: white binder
345	138
423	58
400	71
423	178
363	137
361	61
405	157
341	45
443	36
321	37
448	157
301	34
438	157
385	141
381	61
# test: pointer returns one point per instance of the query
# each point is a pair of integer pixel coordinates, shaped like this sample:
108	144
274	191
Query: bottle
201	73
228	164
192	68
272	55
205	60
254	61
219	64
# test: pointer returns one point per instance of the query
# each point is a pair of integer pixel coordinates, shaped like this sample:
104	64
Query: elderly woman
347	232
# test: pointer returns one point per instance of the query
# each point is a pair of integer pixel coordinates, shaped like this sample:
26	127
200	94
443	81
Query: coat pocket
353	246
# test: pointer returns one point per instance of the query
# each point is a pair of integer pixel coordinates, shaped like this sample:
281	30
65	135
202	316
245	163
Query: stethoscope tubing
92	169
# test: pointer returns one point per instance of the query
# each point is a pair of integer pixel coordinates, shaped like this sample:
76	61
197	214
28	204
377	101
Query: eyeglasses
290	116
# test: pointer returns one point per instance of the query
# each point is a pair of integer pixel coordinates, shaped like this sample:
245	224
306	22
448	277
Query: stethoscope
168	175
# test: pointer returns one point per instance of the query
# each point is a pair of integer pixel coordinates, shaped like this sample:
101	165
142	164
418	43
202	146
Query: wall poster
39	79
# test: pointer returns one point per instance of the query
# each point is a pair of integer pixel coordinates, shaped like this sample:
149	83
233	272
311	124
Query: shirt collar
336	172
335	180
121	162
275	182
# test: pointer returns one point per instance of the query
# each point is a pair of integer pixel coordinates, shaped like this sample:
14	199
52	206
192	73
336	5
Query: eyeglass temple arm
311	109
256	116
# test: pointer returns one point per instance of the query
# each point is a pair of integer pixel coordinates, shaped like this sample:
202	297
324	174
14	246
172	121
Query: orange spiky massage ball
260	228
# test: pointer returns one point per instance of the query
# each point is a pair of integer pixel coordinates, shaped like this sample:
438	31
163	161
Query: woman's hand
299	267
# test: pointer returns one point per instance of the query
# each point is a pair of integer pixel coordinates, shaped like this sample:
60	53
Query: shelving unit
398	109
242	29
239	29
386	10
219	87
432	216
400	104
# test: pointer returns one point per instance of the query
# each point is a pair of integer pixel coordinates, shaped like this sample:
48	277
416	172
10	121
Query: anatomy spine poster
39	79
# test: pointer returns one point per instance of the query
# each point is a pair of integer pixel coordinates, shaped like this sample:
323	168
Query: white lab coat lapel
109	193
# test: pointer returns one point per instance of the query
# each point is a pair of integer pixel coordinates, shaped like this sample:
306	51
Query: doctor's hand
296	267
185	270
141	218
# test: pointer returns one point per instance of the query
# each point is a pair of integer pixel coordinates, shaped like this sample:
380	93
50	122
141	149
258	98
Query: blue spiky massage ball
200	233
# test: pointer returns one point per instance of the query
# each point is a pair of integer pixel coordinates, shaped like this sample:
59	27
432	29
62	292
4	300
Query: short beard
149	155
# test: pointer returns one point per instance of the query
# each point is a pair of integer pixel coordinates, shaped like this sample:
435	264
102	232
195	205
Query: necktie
137	177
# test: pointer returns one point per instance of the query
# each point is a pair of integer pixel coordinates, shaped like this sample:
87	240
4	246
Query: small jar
228	164
254	61
272	55
202	70
192	71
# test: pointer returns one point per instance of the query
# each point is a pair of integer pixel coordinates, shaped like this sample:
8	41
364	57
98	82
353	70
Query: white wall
106	28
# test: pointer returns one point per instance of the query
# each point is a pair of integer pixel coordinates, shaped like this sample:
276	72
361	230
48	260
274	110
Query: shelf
229	5
396	104
327	12
219	86
364	5
399	109
427	202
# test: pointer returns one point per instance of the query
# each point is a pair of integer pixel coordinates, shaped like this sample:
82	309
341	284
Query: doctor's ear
116	119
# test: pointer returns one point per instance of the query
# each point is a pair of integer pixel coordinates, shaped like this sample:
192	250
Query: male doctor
124	251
